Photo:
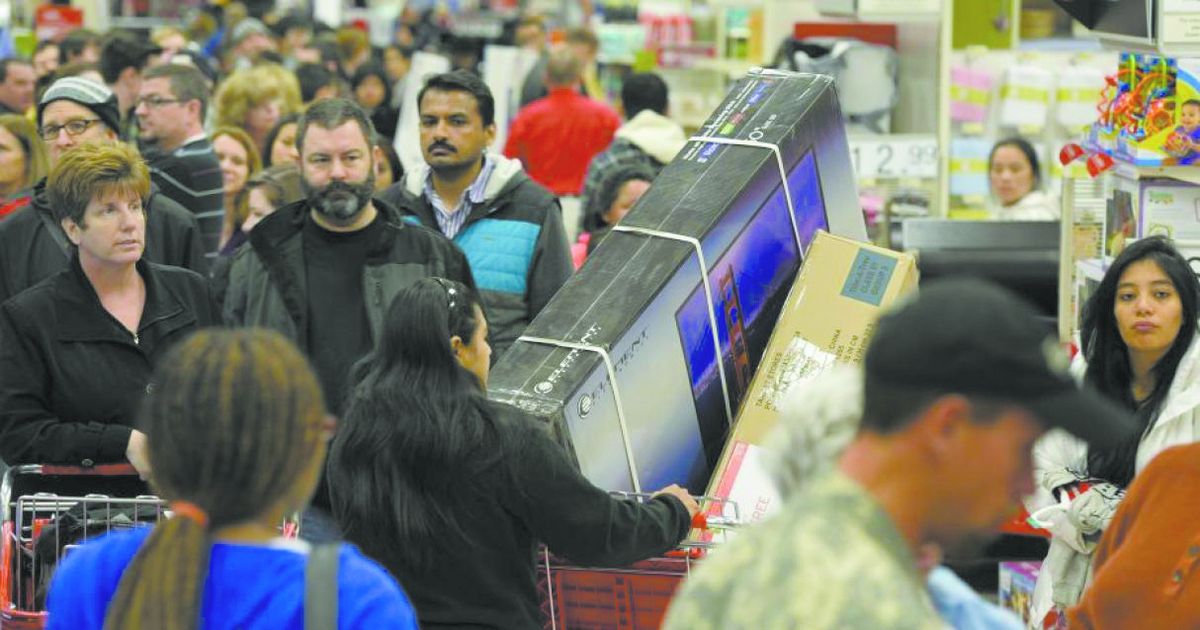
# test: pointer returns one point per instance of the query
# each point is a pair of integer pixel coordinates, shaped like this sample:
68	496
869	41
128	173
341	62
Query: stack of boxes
642	361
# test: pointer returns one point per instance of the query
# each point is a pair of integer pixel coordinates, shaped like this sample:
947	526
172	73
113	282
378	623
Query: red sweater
1148	562
556	138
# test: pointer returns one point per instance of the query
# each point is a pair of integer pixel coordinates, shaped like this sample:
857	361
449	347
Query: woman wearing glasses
76	351
451	492
33	246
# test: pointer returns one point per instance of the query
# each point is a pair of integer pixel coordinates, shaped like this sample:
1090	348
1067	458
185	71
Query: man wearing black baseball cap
958	385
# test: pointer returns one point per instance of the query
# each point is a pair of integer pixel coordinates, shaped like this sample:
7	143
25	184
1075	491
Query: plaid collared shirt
450	221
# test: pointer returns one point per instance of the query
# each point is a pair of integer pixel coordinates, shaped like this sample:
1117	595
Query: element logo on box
868	277
586	402
544	387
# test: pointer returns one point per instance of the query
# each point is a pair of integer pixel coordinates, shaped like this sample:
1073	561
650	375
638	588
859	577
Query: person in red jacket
556	137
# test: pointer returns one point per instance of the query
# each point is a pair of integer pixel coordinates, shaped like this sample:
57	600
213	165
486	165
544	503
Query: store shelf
890	11
1061	44
730	67
1156	48
886	18
1189	174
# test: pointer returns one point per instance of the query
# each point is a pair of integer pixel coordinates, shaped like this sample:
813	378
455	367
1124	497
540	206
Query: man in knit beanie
76	111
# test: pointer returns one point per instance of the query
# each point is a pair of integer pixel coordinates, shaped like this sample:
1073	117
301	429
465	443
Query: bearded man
324	270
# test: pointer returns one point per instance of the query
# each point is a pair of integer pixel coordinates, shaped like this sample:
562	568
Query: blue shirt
962	608
249	586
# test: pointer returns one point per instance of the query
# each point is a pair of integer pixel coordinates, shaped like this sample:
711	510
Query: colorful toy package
1150	112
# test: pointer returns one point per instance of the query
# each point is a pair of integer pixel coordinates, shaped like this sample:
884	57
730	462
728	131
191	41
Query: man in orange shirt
556	137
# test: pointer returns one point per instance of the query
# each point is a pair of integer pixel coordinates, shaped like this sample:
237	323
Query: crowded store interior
591	314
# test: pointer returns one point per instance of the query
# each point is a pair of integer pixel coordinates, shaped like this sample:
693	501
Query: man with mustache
324	270
509	226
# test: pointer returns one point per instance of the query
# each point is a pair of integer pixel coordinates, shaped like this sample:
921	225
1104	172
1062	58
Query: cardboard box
1017	580
642	300
828	318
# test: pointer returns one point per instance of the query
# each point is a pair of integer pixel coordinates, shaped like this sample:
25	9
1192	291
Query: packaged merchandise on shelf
969	167
1016	586
1139	206
828	318
970	94
1025	97
1168	207
1121	214
1150	112
1075	95
682	333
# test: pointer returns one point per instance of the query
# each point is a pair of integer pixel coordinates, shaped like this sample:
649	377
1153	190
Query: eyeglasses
157	101
74	128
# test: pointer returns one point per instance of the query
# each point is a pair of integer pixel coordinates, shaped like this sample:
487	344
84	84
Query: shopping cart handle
99	470
705	522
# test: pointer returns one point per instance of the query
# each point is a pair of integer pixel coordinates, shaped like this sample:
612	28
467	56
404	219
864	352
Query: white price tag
894	157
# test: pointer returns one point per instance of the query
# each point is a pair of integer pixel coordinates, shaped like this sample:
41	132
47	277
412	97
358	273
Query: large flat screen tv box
640	309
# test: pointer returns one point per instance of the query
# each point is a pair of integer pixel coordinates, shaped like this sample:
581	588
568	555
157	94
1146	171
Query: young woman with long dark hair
236	430
452	492
1139	347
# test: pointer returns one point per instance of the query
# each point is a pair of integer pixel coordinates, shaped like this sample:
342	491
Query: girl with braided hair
236	431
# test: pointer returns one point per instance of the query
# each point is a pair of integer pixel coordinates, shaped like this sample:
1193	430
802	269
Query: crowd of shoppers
213	264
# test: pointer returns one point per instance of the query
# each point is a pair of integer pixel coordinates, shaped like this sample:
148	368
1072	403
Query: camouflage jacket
831	558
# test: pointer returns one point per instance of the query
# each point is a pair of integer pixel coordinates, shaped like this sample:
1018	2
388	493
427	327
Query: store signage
894	156
1181	21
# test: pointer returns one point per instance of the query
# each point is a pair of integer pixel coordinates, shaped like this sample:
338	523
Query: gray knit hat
88	93
247	27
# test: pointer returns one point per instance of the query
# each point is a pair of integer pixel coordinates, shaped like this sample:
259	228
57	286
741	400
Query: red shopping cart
40	527
636	597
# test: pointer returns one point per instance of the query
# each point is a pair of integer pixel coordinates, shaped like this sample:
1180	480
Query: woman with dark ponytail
236	432
452	492
1138	346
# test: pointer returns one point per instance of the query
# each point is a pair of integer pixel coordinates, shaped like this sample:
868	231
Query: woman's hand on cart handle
674	490
135	452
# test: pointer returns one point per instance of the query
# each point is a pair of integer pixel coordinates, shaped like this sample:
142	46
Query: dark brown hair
234	426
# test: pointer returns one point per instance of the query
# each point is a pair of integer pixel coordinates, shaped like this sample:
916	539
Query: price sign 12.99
894	157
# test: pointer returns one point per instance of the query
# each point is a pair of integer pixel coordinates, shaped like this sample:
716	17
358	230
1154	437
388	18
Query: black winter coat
535	494
30	254
72	377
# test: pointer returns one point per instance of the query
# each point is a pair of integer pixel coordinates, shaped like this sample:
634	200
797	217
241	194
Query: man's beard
340	201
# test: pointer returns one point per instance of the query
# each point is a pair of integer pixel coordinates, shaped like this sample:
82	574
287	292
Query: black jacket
72	377
537	496
30	254
514	240
267	280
